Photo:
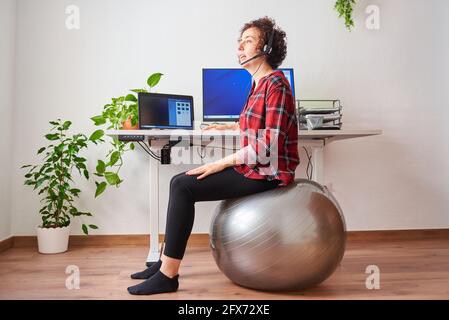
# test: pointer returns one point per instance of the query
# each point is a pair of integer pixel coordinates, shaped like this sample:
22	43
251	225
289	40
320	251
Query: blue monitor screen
225	92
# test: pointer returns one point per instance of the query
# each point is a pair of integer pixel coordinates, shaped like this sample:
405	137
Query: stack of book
319	114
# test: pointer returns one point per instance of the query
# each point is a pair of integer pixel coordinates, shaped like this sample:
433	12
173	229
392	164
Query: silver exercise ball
287	238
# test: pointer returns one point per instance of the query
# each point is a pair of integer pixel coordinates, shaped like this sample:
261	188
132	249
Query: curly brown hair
265	26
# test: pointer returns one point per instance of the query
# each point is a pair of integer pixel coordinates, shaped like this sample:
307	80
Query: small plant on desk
53	179
121	113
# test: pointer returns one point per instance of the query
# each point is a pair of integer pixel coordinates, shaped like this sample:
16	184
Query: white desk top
303	134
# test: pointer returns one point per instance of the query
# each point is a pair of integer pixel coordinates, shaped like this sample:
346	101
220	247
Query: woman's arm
245	155
228	126
228	161
236	158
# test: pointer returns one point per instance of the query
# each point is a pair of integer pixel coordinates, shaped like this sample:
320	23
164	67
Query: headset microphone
250	59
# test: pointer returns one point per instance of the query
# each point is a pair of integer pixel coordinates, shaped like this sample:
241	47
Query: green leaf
29	182
86	174
85	229
75	191
139	90
112	178
52	136
25	166
92	226
54	123
134	119
81	165
131	97
96	135
153	80
50	169
100	188
98	120
41	150
131	146
59	148
82	144
39	183
66	125
101	167
115	156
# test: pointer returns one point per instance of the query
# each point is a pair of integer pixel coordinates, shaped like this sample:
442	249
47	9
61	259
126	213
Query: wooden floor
410	269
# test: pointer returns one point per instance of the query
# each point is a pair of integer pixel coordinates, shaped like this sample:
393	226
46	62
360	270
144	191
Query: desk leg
318	162
153	254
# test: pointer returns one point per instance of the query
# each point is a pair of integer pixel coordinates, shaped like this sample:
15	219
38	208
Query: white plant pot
53	240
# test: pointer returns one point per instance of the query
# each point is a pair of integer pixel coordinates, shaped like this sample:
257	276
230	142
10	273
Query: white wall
394	79
7	61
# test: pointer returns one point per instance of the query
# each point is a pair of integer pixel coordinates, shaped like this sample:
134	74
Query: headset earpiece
267	48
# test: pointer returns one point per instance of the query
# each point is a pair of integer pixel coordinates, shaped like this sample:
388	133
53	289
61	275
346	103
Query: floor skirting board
201	239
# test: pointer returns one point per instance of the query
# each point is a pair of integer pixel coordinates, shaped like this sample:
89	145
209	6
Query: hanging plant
345	9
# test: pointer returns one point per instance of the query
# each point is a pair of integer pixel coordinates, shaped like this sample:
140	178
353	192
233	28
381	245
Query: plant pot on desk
127	124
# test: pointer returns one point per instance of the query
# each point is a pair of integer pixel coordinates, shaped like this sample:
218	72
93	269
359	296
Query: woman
269	129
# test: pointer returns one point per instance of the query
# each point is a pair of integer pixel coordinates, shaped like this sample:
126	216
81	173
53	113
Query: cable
257	70
201	155
151	152
309	163
152	155
203	150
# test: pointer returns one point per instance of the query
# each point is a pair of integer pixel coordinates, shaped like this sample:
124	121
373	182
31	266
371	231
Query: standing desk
157	138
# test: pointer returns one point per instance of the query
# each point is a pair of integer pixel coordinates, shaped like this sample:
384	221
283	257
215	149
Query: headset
266	50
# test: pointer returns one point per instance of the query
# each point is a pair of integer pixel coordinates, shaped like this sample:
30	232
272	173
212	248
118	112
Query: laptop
165	111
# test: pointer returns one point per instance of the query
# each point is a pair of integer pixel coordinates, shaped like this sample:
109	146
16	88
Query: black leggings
185	190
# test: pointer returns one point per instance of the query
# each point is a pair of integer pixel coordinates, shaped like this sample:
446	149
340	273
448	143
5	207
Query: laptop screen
165	111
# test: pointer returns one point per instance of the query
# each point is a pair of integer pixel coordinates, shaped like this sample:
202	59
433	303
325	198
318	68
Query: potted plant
120	114
52	178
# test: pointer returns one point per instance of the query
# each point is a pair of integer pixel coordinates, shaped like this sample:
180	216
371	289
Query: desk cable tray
319	114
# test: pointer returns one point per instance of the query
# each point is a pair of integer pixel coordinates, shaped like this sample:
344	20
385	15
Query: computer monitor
165	111
225	92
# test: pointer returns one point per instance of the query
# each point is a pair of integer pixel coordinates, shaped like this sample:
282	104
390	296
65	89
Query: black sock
158	283
148	272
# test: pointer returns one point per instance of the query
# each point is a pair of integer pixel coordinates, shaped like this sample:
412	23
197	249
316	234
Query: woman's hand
232	126
207	169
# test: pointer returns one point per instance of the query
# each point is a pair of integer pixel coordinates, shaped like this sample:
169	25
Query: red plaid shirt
269	131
